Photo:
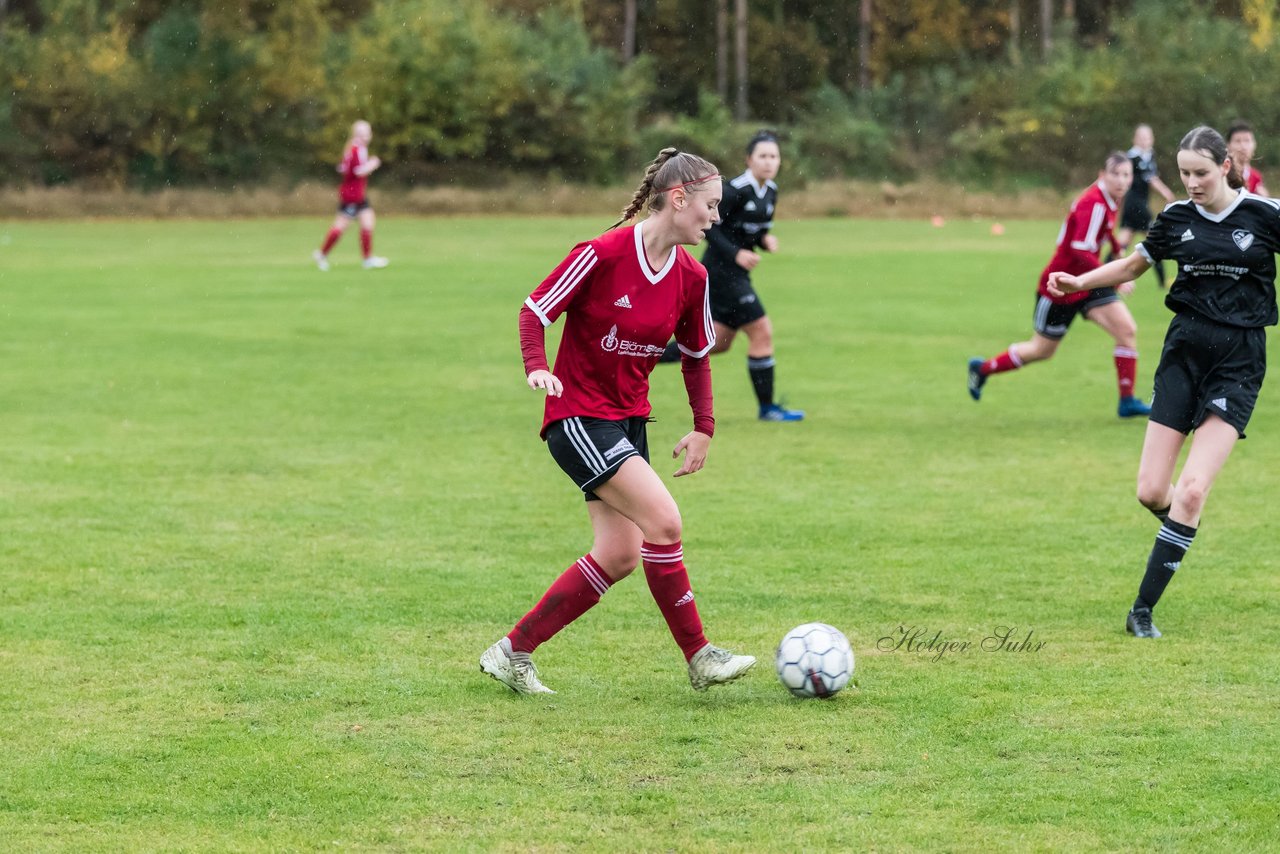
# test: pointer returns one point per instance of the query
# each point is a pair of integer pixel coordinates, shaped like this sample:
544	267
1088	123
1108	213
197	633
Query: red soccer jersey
353	186
1252	179
621	313
1091	220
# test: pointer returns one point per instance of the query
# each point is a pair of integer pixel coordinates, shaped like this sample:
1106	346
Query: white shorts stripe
582	444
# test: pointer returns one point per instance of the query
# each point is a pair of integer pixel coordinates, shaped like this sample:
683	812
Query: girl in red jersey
1090	221
355	168
1243	146
624	294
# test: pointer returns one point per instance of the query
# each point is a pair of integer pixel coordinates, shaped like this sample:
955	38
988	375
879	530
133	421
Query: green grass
259	522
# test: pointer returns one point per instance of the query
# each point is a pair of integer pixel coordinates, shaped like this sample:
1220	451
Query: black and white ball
815	660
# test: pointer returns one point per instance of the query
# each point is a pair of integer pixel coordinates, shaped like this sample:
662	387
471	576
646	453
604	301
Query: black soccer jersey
1144	169
1226	261
746	215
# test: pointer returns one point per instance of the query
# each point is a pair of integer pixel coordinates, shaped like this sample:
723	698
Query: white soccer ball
815	660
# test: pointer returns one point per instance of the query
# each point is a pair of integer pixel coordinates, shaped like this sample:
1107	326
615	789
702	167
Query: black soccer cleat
1139	624
976	378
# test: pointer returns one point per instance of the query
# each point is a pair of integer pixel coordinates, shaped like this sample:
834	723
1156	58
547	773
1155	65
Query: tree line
151	93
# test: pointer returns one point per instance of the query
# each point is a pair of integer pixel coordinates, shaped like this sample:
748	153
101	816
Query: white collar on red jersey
1111	203
653	277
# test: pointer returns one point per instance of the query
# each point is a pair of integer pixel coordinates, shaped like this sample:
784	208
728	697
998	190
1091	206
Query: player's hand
1060	284
695	447
374	163
769	243
746	259
547	380
1125	288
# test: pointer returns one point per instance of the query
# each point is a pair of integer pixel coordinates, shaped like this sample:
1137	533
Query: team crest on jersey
1243	239
610	341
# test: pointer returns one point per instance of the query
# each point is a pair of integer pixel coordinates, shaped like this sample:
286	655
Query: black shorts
590	450
352	208
733	301
1053	319
1208	368
1135	215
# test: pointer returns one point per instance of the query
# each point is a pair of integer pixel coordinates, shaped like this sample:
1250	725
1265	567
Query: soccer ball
815	660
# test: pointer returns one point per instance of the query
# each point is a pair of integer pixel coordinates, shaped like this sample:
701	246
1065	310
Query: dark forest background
152	93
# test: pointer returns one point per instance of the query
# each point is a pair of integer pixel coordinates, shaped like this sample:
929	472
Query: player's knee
616	562
664	526
1189	498
1152	494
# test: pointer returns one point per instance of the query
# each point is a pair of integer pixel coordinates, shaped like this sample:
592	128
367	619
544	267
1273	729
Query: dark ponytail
761	136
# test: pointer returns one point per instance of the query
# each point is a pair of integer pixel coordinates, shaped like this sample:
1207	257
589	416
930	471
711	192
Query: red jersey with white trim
1252	179
1090	222
353	186
620	314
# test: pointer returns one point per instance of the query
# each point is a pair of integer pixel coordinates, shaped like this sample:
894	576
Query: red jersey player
355	169
1090	221
623	295
1242	145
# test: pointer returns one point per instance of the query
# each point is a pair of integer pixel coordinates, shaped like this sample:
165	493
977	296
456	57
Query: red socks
571	595
1006	361
366	241
669	584
1126	369
331	239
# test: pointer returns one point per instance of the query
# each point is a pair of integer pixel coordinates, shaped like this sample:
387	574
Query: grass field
259	523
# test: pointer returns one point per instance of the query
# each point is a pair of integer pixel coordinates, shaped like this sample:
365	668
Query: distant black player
1215	352
1135	215
746	216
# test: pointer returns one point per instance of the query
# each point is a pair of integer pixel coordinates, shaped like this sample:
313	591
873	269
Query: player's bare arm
1115	273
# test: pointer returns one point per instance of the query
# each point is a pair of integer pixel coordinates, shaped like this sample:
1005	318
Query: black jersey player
1135	214
1224	240
733	251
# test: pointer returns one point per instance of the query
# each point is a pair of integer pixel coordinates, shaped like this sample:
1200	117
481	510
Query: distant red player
1242	146
1089	223
355	168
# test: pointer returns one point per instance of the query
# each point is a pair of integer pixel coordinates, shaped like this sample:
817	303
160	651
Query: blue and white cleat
1132	407
774	412
976	378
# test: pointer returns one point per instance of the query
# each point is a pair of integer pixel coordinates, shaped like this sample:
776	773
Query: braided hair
1208	142
671	168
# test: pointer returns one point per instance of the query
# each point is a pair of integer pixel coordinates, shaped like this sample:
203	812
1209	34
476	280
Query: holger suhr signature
918	640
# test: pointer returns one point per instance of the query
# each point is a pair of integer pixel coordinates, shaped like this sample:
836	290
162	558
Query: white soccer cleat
375	262
513	669
712	665
322	261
